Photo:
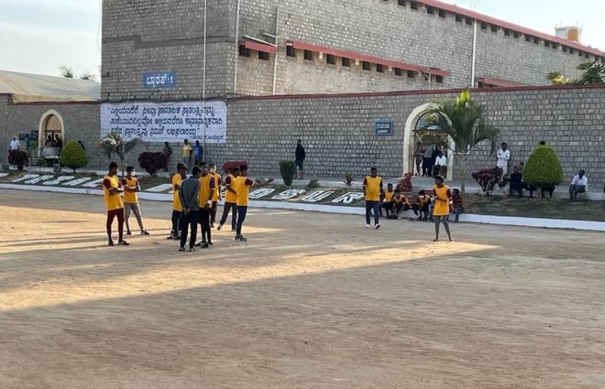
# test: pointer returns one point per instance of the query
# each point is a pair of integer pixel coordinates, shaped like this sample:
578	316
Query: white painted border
344	210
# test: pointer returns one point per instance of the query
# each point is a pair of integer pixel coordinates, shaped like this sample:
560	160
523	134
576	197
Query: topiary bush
18	158
543	168
488	179
73	156
151	162
229	165
287	169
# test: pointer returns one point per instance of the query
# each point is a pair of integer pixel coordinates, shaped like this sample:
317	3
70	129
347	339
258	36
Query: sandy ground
311	301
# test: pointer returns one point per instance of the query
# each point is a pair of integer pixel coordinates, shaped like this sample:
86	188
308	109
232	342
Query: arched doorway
410	140
51	134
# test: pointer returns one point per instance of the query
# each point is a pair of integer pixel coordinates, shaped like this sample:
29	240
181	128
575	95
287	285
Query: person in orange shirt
205	202
216	196
402	204
177	208
387	198
230	200
131	200
372	189
112	189
242	188
441	207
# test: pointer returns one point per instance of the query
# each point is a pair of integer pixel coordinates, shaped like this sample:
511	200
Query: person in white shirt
14	145
503	158
441	163
579	184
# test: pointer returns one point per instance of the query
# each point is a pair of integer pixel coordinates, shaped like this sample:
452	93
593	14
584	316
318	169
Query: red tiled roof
510	26
500	83
362	57
252	45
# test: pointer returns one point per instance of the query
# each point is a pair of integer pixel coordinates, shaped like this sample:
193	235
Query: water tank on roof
570	33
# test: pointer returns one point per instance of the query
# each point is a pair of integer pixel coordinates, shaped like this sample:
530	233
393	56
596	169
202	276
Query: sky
39	36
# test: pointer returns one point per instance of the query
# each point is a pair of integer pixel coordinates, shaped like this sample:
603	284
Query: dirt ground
311	301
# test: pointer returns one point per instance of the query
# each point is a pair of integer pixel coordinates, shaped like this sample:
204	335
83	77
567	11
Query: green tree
543	168
113	143
463	121
73	156
593	72
68	72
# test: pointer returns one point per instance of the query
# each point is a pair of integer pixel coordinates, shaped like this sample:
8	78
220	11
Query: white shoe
377	226
367	226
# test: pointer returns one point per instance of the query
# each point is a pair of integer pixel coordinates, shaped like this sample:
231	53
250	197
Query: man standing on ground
216	195
187	150
112	189
205	204
300	158
189	198
198	153
14	145
372	189
579	184
177	207
427	159
230	199
131	199
242	188
503	158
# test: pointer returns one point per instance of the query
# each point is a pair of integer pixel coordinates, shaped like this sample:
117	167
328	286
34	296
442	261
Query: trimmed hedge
287	169
229	165
73	156
151	162
18	158
543	168
488	179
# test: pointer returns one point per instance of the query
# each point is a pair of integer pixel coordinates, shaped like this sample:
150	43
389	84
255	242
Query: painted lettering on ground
289	194
2	175
39	179
260	193
94	184
160	188
77	182
318	196
348	198
26	177
58	180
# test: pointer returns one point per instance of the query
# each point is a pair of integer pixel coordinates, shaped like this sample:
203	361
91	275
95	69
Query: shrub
405	184
229	165
151	162
488	179
73	156
543	168
349	178
313	184
287	169
18	158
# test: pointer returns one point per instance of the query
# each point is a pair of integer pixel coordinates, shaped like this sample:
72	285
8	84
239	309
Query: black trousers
176	223
213	212
233	208
189	221
427	166
205	223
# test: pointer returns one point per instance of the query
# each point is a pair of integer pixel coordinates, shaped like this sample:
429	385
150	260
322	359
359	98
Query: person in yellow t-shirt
242	189
205	202
112	189
131	199
230	200
177	208
372	189
441	207
387	201
216	196
187	152
402	204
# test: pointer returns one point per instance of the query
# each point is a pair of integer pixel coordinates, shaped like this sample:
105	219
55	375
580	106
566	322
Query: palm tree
463	121
68	72
113	143
593	73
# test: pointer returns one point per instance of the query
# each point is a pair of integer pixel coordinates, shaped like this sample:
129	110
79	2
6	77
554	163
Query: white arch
408	145
50	112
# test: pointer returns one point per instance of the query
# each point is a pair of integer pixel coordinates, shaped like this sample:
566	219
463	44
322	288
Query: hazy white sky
39	36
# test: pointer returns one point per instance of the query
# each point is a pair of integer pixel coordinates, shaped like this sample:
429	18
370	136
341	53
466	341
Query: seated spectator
457	204
516	182
387	201
422	206
441	164
579	184
401	204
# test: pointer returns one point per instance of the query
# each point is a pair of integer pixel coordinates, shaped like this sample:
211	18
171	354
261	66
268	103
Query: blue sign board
383	127
159	80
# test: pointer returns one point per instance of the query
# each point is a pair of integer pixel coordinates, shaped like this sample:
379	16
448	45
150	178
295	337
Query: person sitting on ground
516	182
457	204
422	206
401	204
579	184
387	201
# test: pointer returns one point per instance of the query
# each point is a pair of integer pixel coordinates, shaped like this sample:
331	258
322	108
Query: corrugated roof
25	87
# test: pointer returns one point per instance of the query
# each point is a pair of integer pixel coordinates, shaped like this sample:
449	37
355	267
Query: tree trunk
462	173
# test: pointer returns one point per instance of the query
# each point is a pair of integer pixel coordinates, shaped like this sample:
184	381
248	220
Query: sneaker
242	238
191	249
205	245
210	244
212	225
170	237
123	243
367	226
144	232
182	248
128	233
377	226
218	228
110	243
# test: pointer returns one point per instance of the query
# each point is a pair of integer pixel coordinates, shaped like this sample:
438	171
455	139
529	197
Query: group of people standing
431	161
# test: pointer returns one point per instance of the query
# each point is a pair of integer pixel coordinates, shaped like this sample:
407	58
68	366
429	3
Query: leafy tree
543	168
73	156
113	143
593	73
463	120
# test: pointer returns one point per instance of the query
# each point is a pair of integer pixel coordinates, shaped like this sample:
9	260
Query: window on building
290	51
243	51
442	13
586	55
331	59
365	65
380	68
494	29
346	62
414	5
308	55
507	32
401	3
517	35
411	74
555	45
528	38
398	72
603	60
459	18
483	26
546	44
439	79
565	49
263	55
469	21
430	10
536	41
572	51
